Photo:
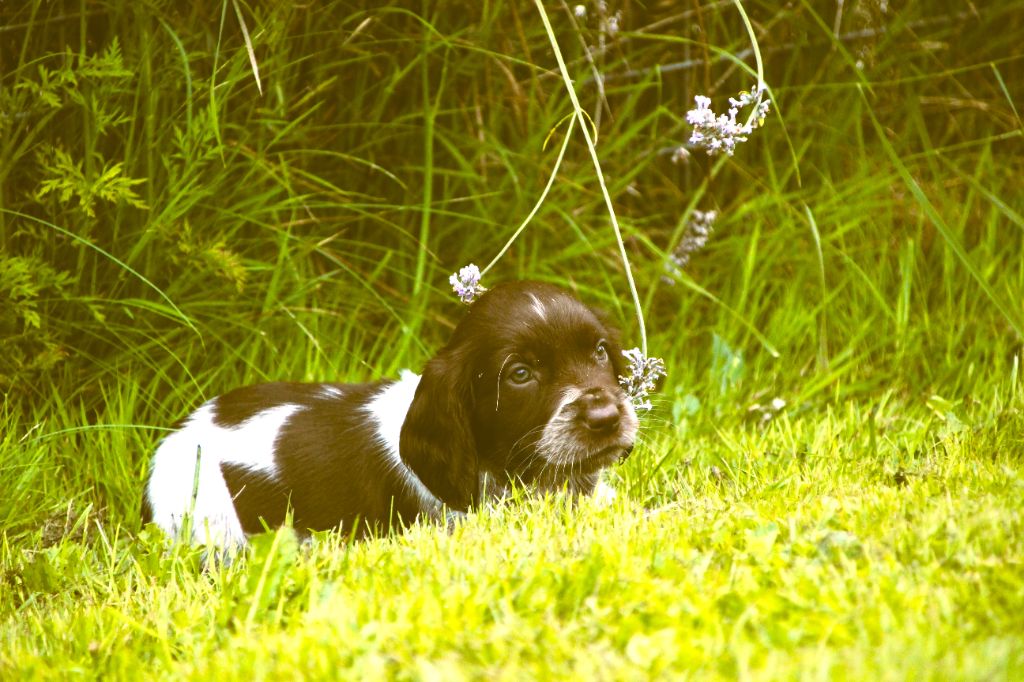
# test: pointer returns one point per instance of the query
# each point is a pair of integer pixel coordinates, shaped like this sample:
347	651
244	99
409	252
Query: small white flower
721	133
695	237
613	23
466	283
765	413
702	115
680	155
643	377
580	11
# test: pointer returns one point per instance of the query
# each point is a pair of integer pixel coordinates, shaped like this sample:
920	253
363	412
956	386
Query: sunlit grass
811	546
829	486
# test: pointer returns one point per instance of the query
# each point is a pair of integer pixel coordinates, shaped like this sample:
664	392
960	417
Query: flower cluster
466	283
700	227
643	377
609	23
721	133
765	413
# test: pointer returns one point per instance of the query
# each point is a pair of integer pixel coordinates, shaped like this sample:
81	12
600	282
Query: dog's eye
520	374
601	352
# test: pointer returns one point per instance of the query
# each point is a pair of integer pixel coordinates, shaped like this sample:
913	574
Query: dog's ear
437	439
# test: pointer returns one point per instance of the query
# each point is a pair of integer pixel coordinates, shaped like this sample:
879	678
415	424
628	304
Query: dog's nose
600	413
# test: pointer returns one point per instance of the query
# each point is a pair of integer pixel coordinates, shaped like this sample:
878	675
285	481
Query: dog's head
527	388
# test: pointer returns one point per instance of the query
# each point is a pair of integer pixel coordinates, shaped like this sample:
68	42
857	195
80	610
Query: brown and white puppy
526	390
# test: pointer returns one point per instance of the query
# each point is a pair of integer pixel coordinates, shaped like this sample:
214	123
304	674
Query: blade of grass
248	46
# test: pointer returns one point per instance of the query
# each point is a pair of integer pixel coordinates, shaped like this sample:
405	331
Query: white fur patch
170	492
559	443
388	410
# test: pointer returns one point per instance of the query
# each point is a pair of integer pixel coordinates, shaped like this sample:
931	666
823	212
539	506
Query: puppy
526	391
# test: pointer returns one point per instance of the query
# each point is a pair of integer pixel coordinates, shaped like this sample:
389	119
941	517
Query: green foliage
816	556
22	280
27	342
65	179
832	472
385	154
67	85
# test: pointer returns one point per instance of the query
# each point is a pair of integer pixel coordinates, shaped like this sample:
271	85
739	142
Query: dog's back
327	452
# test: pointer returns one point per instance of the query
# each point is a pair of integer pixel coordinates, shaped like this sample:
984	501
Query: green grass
809	547
169	233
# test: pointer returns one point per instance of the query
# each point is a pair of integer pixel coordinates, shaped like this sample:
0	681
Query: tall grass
170	231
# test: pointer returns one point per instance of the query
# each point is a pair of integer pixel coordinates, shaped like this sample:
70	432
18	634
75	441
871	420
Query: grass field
830	484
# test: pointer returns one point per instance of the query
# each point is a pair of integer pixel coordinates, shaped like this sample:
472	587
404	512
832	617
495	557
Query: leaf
248	46
67	180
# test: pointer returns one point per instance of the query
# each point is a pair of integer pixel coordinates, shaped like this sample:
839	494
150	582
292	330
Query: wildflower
580	11
466	283
612	25
643	377
609	24
765	413
680	155
721	132
698	230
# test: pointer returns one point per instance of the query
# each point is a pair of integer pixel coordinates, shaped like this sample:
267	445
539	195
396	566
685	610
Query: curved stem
600	175
536	206
757	58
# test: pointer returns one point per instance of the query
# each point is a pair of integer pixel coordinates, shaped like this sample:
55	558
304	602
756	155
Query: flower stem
536	206
757	58
597	167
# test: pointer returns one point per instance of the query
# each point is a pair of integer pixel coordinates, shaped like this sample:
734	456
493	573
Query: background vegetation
173	226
